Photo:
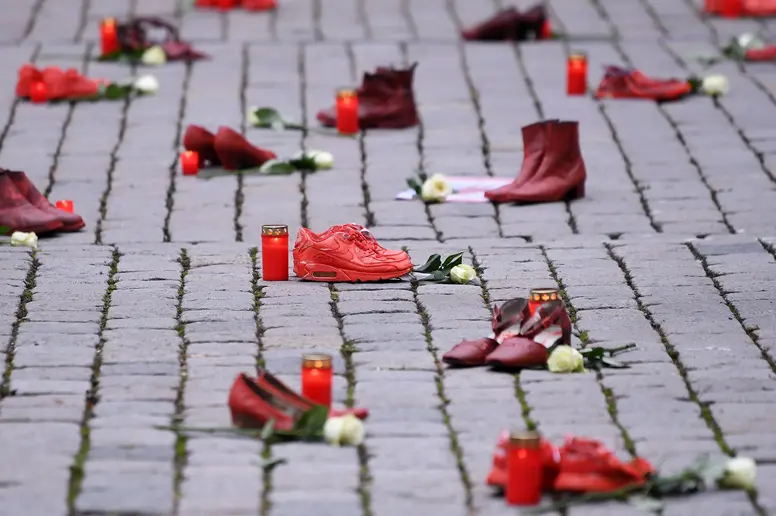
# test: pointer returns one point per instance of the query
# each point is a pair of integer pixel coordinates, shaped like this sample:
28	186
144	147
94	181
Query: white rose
323	160
347	429
436	188
24	239
565	359
740	473
147	84
251	117
715	85
750	41
462	273
154	56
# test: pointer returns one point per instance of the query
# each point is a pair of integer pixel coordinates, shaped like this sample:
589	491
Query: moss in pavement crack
173	170
181	454
93	394
21	314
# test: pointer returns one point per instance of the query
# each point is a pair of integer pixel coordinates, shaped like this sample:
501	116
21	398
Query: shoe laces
363	238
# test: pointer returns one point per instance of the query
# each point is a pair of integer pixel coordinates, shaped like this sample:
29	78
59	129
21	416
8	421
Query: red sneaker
344	254
368	234
28	75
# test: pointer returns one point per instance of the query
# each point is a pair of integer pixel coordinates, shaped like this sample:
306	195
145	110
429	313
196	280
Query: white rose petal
154	56
436	189
347	429
565	359
462	273
147	84
251	117
715	85
332	430
750	41
740	473
19	238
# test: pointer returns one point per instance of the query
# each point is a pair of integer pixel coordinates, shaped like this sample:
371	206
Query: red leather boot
18	214
70	221
236	153
561	174
534	146
200	140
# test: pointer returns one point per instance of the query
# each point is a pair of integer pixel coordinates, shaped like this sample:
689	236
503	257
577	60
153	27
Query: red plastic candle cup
274	252
732	8
524	469
577	74
539	296
190	163
546	32
317	376
347	112
65	205
109	38
38	93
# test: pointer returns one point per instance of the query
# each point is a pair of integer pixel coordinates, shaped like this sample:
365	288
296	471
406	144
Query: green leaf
304	163
452	261
5	230
270	464
695	83
310	424
612	363
113	56
440	275
268	430
593	354
277	167
415	185
117	91
432	264
270	118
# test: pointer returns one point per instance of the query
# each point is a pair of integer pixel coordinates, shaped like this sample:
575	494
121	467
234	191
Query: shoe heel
241	421
577	192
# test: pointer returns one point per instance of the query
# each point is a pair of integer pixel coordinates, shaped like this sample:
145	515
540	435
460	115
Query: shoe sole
74	227
319	272
40	230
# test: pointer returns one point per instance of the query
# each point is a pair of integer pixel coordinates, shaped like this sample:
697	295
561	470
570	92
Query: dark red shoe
767	53
550	464
385	101
28	75
259	5
510	25
70	221
280	390
236	153
548	314
252	406
200	140
470	353
561	174
17	213
621	82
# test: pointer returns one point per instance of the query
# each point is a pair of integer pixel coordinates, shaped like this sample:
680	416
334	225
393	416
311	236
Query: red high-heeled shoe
237	153
276	387
200	140
252	406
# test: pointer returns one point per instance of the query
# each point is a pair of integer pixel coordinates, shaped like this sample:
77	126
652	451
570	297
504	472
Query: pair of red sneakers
60	85
24	208
254	402
227	148
347	252
520	339
580	465
621	82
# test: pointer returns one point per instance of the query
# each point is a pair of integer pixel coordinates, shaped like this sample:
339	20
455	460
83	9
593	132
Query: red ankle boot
561	174
70	221
236	153
18	214
534	145
201	141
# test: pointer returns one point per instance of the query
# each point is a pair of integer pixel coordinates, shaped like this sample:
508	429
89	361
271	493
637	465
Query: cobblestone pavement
146	317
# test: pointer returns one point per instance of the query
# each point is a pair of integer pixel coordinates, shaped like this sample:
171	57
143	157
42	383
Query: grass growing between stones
169	202
180	458
93	394
346	350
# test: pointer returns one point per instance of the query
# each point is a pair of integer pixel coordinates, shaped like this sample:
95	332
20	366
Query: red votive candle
546	32
38	93
317	376
524	469
65	205
539	296
274	252
732	8
347	112
190	163
576	75
109	37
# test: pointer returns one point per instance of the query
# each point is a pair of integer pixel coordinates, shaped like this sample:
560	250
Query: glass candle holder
576	74
541	295
524	469
274	252
347	112
38	93
65	205
109	37
190	163
732	8
317	374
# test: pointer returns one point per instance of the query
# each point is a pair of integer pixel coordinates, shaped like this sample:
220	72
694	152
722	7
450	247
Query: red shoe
346	255
259	5
587	466
201	141
70	221
206	3
236	153
280	390
561	174
79	86
252	406
385	101
510	25
550	461
470	353
28	75
626	83
18	214
767	53
758	8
